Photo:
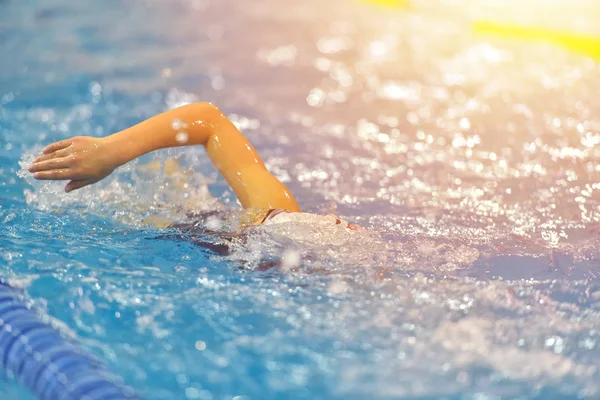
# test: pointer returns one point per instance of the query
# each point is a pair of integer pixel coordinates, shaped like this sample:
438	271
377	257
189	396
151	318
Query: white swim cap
305	218
306	227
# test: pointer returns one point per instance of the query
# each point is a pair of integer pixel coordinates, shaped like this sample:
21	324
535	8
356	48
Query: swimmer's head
261	216
283	216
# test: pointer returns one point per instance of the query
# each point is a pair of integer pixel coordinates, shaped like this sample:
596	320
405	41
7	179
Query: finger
63	144
54	175
77	184
54	163
56	154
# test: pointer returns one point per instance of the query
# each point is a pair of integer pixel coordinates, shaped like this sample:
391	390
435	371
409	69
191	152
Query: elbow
208	113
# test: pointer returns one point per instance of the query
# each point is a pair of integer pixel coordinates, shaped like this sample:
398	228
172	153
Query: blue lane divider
41	359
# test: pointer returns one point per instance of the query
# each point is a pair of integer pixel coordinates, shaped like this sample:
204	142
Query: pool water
472	162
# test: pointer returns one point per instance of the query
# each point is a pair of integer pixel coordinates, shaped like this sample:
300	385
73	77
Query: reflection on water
472	161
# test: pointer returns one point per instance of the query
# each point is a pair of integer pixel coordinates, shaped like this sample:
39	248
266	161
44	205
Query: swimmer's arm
86	160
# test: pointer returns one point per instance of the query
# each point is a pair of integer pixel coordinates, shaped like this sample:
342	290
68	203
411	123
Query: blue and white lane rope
41	359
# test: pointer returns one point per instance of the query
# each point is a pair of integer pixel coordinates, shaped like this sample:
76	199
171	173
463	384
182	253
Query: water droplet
214	223
200	345
315	97
181	137
291	259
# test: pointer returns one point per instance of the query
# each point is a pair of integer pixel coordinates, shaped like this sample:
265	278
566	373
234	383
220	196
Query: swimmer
84	160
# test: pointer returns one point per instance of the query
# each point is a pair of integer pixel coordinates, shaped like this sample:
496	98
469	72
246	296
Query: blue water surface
471	161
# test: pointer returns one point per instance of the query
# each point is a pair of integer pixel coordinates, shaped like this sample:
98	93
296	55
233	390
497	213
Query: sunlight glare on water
470	160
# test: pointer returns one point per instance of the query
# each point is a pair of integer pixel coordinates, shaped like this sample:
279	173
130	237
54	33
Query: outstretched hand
82	160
